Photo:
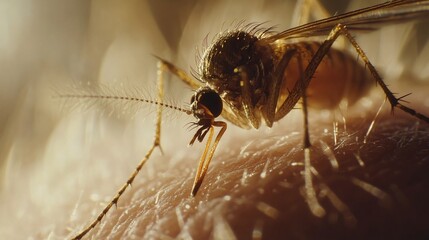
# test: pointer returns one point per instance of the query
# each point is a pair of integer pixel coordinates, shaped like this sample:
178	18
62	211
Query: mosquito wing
364	19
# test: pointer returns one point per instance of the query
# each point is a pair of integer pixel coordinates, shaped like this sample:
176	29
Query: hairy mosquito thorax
233	50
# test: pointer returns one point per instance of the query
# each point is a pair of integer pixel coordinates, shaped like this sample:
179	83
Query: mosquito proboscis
252	76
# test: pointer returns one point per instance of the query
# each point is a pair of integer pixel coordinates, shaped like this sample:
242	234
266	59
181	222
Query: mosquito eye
211	100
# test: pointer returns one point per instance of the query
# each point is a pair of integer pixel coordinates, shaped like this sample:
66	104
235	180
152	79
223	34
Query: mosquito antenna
126	98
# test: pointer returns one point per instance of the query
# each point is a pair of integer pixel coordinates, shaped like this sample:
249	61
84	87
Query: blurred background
49	155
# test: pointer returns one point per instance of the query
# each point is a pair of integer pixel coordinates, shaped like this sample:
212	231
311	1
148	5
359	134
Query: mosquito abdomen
338	77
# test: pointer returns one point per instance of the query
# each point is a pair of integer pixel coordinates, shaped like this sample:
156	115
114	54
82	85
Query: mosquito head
232	50
206	104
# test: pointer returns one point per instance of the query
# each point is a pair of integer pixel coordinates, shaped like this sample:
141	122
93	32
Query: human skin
255	185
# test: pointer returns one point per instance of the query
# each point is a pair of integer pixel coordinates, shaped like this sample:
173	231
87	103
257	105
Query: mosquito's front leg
167	66
247	97
269	112
156	143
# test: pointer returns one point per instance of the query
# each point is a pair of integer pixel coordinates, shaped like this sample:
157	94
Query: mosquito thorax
205	99
232	50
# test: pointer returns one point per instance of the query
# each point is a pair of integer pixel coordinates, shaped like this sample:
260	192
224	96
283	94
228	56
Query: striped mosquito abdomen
338	77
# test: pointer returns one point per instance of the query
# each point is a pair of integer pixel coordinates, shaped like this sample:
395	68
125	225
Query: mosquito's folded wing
365	19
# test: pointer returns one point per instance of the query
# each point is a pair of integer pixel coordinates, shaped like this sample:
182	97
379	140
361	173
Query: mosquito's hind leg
310	192
299	90
156	143
394	101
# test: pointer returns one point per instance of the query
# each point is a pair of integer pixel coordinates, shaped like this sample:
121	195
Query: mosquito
254	76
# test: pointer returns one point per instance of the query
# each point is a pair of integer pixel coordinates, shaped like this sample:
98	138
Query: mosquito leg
181	74
247	95
300	86
271	114
160	98
298	92
310	193
156	143
394	101
271	105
